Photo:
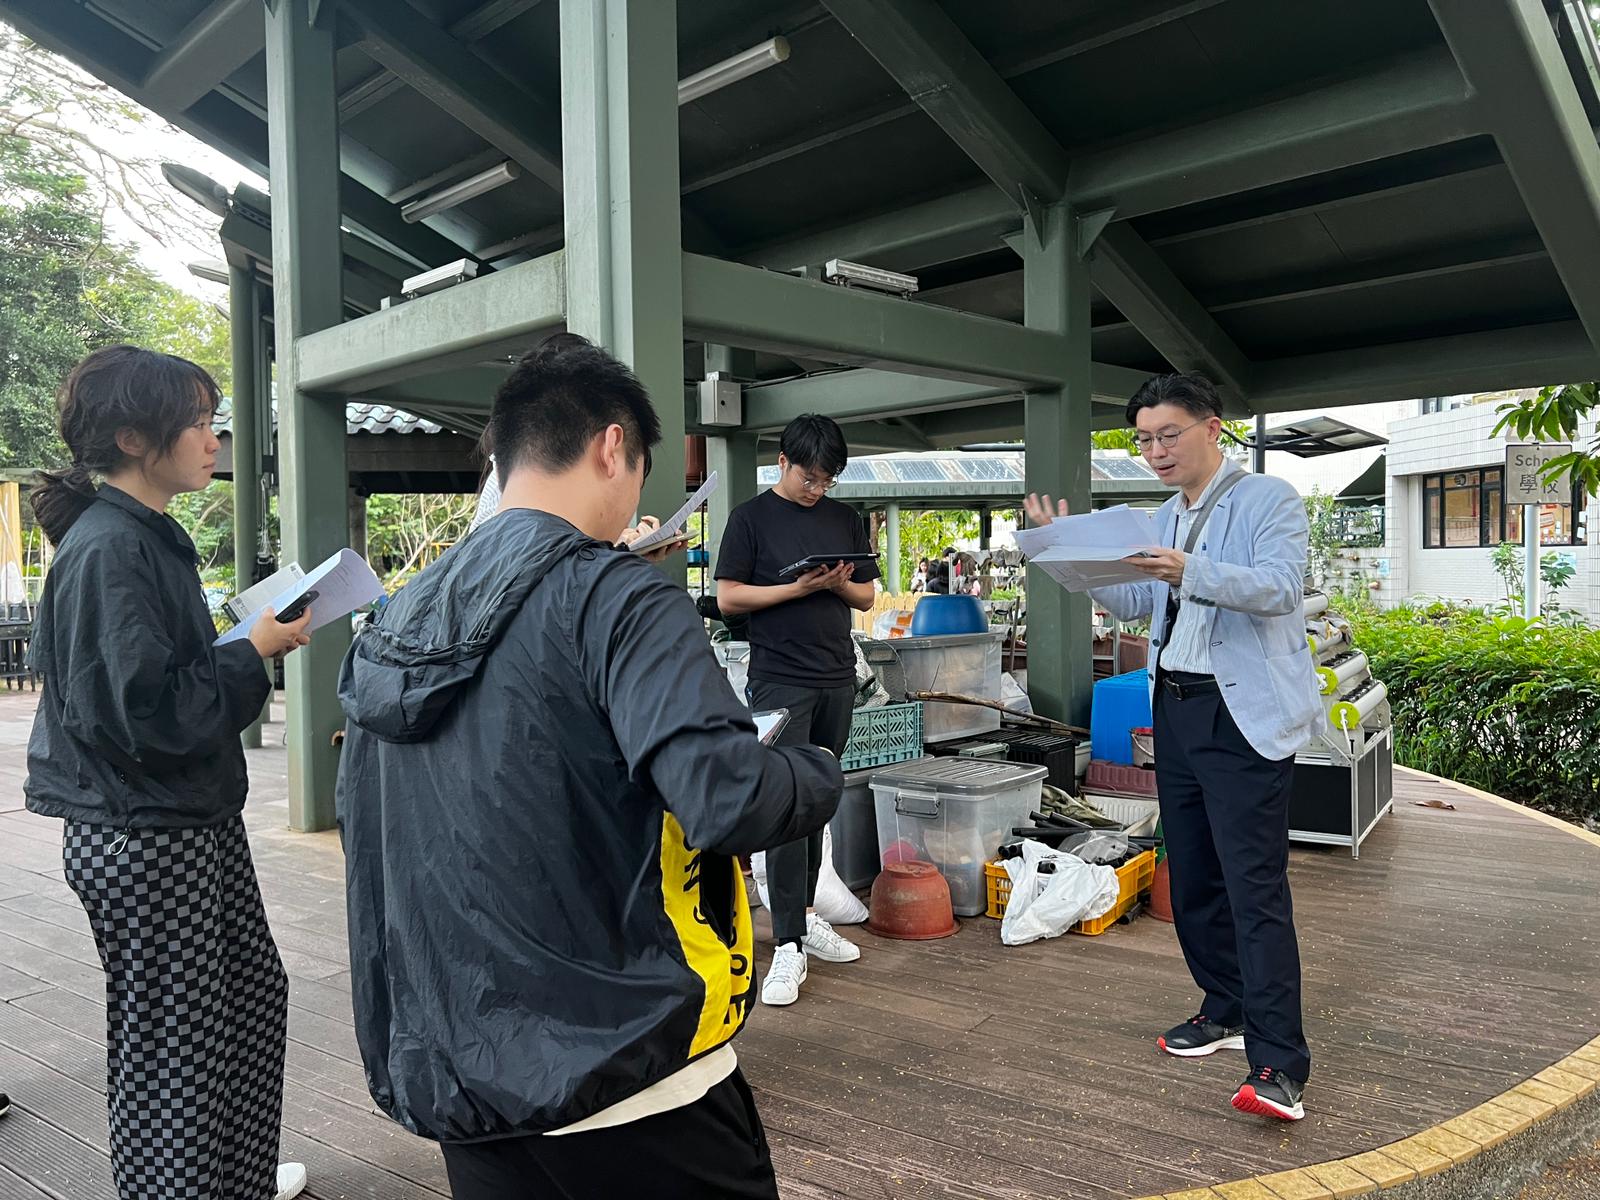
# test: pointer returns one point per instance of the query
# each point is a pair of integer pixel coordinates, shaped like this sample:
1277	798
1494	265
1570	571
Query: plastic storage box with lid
954	813
966	664
855	830
1121	705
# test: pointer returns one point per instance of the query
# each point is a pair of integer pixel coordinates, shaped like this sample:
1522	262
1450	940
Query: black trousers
817	717
712	1149
1225	817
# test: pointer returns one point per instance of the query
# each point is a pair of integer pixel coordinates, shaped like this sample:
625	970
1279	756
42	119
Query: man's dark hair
558	398
815	443
1192	393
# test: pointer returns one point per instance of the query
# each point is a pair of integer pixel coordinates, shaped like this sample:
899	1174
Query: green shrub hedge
1491	701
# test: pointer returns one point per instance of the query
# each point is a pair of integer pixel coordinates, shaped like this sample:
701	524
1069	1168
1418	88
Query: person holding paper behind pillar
801	656
136	747
1235	697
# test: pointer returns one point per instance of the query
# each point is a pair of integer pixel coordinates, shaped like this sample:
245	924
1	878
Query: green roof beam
737	305
929	57
221	38
447	72
1527	356
1508	51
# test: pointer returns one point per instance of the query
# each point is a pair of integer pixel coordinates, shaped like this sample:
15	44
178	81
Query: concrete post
303	136
243	317
893	581
624	247
1056	297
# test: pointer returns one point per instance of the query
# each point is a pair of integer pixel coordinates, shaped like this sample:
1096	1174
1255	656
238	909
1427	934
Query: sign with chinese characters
1525	483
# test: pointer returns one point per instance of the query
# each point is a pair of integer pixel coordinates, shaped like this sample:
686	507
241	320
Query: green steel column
985	527
303	134
1056	298
624	252
732	456
243	317
892	581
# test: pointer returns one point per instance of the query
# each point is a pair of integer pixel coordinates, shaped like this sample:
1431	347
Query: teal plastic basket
890	733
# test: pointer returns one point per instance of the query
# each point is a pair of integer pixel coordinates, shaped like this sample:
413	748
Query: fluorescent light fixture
209	269
730	70
440	278
460	192
851	274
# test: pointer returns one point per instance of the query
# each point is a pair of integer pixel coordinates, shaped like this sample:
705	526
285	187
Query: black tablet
812	561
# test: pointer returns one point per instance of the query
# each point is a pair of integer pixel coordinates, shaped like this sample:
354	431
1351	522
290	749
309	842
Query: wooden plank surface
1440	969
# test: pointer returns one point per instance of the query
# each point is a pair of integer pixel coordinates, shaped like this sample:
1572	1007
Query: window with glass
1468	508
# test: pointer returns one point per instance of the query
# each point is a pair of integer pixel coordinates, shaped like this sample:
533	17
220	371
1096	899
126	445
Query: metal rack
1344	781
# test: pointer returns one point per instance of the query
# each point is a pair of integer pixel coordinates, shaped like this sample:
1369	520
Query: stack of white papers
343	584
489	503
673	525
1086	552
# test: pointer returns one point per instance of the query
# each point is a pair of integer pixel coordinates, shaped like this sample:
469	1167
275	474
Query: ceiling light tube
459	193
730	70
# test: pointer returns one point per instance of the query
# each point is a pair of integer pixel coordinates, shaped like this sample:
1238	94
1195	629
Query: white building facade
1447	513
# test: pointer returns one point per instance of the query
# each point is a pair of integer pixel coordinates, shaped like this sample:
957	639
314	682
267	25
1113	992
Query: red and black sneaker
1199	1036
1268	1092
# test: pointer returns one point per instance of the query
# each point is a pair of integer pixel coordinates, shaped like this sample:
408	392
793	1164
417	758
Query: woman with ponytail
136	746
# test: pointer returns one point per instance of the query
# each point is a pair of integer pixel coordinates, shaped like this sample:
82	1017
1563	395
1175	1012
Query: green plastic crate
890	733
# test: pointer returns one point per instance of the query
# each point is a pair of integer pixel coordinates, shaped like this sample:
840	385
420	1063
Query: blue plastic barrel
936	615
1121	704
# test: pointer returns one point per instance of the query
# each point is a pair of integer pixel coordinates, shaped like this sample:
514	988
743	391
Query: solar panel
914	470
1123	468
990	470
857	472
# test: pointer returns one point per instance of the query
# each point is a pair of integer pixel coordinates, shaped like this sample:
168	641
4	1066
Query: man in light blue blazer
1234	697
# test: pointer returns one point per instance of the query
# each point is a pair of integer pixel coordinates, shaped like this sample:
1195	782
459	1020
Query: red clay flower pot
1161	894
911	900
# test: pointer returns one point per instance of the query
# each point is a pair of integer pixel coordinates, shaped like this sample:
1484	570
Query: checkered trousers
196	1009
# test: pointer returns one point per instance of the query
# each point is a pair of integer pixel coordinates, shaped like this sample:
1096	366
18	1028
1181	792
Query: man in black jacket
545	780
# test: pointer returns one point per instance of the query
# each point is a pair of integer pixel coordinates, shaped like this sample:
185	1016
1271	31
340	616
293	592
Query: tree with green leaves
1556	414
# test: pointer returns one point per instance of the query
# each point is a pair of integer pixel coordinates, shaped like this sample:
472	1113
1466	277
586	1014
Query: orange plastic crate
1133	877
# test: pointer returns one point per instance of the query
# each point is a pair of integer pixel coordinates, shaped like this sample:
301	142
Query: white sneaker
822	941
291	1180
784	977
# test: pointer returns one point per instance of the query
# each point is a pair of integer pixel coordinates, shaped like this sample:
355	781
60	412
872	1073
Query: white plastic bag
1046	905
1012	695
836	904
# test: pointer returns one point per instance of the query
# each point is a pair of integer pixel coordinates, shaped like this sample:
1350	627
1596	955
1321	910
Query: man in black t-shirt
801	655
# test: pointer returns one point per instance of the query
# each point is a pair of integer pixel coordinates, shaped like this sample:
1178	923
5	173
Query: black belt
1182	685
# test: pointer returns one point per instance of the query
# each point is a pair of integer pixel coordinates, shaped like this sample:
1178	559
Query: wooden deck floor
1457	957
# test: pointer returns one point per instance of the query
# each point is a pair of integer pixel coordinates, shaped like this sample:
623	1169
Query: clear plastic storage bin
964	664
954	813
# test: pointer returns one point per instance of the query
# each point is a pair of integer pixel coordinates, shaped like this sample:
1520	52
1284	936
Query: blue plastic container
937	616
1121	704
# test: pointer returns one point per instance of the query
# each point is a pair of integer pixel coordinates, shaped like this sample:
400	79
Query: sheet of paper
671	527
1122	530
1087	551
1082	574
343	584
488	499
254	599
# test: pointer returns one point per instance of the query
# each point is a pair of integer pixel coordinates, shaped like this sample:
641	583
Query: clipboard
812	561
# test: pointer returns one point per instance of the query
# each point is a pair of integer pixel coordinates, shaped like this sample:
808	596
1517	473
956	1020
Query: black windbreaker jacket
138	725
544	777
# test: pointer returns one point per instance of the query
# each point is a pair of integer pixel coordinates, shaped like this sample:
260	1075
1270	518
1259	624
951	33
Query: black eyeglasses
1144	441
